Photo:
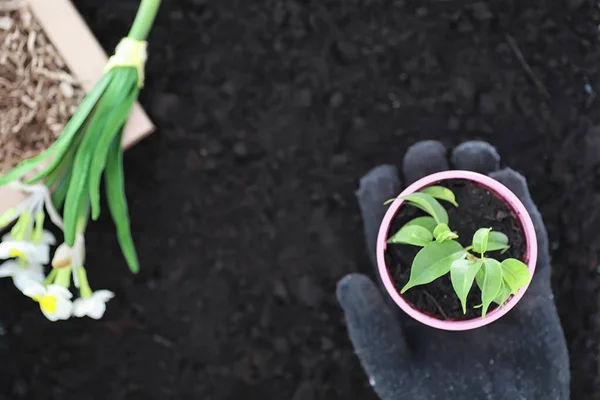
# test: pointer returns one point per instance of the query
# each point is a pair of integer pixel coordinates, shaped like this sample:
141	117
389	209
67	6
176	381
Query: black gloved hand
521	356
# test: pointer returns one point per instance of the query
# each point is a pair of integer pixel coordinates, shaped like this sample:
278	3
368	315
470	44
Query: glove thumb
376	335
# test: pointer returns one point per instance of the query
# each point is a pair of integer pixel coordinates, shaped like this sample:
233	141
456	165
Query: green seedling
442	254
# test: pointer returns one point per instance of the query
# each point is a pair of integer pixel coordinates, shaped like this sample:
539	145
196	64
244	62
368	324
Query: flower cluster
26	250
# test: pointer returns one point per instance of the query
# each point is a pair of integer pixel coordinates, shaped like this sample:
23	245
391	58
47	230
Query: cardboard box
86	59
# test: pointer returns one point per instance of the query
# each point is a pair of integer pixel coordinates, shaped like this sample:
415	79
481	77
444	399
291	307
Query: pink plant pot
519	212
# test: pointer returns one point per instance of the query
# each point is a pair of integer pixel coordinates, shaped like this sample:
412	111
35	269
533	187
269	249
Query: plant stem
20	229
471	257
84	286
38	227
50	278
436	304
63	277
144	19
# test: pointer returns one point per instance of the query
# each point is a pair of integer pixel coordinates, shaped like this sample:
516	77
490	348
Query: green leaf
515	273
447	236
428	204
440	192
492	282
503	295
78	192
497	241
480	240
433	261
425	222
63	167
78	183
25	167
116	120
479	278
412	234
442	233
440	229
462	274
498	237
76	124
117	202
60	192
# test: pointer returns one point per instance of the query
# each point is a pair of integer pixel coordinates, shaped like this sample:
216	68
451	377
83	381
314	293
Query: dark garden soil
478	208
243	202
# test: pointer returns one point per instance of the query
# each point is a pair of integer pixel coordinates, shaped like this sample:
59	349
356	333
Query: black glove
521	356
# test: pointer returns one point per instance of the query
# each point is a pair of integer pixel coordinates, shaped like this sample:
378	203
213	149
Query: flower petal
32	273
51	316
48	238
79	308
103	295
32	268
96	309
5	248
9	268
34	289
64	309
60	292
38	254
21	282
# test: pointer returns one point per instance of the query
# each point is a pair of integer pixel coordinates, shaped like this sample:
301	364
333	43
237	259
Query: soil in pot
478	208
38	94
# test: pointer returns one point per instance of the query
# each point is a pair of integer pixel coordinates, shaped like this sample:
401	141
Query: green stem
7	217
20	229
17	227
50	278
144	19
63	277
38	230
84	286
471	257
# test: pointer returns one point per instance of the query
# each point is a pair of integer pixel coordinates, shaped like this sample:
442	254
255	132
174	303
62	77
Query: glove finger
476	156
518	185
376	335
424	158
377	186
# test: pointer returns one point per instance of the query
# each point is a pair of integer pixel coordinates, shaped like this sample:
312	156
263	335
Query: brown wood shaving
38	95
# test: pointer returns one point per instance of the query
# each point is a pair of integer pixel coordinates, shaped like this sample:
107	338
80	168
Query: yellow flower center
17	253
47	303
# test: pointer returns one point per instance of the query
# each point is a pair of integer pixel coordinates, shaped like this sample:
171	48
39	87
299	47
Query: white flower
93	306
55	300
27	251
22	274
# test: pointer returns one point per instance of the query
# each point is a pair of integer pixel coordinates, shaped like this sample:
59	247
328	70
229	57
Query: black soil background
243	206
478	208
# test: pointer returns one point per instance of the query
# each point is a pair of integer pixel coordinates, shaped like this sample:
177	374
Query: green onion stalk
90	147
